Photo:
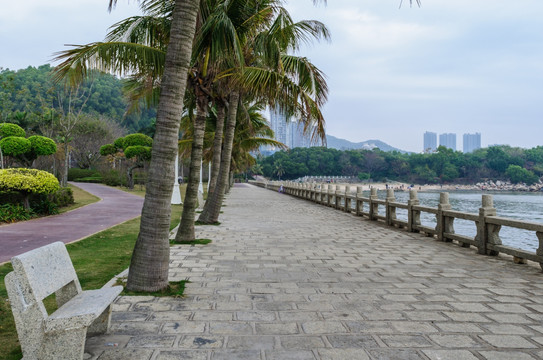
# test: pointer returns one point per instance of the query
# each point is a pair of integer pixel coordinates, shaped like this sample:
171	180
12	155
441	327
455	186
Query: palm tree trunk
217	148
151	257
210	214
186	227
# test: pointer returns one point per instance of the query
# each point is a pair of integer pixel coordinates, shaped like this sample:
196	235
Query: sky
450	66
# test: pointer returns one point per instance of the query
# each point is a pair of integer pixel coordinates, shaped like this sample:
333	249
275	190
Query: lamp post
176	194
201	189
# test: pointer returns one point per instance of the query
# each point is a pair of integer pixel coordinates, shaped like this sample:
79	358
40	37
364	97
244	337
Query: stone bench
61	335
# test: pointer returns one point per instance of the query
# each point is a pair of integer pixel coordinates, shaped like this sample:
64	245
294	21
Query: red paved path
115	207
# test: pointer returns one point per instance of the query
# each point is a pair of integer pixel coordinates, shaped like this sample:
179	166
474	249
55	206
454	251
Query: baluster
487	233
413	216
347	207
390	210
359	203
374	207
539	251
444	223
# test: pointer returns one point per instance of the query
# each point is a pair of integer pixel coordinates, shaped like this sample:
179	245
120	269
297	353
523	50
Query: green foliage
7	129
28	181
28	95
15	146
108	149
442	166
42	145
62	197
518	174
138	151
113	178
14	212
74	173
136	140
119	143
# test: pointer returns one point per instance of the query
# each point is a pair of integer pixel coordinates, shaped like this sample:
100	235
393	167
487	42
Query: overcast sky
450	66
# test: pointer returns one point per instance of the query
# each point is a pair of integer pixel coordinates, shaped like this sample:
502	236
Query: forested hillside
29	96
444	166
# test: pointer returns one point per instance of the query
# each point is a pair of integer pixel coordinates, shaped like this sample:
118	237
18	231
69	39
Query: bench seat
82	310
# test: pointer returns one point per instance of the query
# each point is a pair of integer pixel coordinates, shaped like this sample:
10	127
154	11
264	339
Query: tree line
29	97
443	166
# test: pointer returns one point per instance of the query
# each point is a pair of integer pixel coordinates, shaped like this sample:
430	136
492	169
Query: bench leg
69	345
101	324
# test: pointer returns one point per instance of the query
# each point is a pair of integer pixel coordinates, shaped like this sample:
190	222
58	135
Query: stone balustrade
487	241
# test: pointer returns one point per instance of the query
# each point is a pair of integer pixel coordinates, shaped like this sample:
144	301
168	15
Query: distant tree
25	150
136	147
519	174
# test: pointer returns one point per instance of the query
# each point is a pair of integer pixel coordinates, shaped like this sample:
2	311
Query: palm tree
271	74
279	169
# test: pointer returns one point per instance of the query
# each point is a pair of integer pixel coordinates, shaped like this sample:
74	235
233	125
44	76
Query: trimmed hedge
28	181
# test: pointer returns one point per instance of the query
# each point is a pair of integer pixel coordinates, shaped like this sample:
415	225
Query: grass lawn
96	260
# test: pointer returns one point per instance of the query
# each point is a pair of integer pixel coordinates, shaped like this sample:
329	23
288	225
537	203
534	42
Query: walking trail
116	206
288	279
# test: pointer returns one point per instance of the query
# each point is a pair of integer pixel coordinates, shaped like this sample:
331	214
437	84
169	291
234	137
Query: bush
8	129
91	179
44	207
28	181
113	178
62	197
15	146
14	212
74	174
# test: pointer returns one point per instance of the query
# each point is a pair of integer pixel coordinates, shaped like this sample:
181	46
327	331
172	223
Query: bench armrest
81	310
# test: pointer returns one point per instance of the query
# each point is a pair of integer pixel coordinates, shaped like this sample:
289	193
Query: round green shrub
108	149
28	181
15	146
8	129
141	152
119	143
42	145
137	140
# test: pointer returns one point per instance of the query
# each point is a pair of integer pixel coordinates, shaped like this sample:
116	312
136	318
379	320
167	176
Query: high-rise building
448	140
430	141
289	132
278	123
471	142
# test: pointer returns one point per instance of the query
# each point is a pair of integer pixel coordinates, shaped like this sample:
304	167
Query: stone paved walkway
288	279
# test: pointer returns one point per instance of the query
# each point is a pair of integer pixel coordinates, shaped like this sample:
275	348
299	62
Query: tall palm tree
279	78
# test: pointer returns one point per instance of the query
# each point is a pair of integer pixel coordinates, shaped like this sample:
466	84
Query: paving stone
155	341
301	342
182	355
405	341
183	327
323	327
342	354
350	341
227	328
508	341
508	355
290	355
251	342
201	342
126	354
454	341
236	355
450	355
395	354
276	328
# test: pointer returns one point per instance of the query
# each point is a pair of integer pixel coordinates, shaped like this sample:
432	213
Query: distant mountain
342	144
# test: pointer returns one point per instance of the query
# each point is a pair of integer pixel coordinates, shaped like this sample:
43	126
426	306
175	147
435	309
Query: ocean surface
521	206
